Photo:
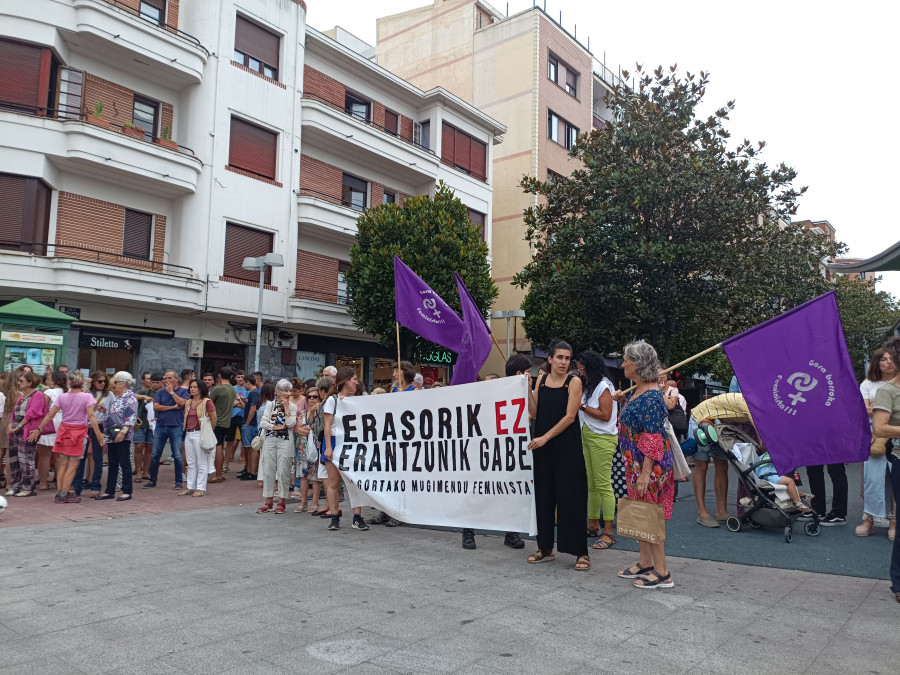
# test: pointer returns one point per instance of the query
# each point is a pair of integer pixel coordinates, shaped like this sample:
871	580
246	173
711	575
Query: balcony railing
68	114
464	170
315	194
165	26
316	294
349	113
608	76
40	249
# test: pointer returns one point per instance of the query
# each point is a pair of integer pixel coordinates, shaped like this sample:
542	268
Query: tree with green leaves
667	231
866	315
434	236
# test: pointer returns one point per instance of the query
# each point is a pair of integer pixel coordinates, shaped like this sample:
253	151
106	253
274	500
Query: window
389	198
477	219
146	116
21	85
353	193
460	150
553	127
356	107
424	134
245	242
552	177
138	231
552	69
343	297
571	135
571	82
256	48
253	148
153	10
391	122
24	214
71	89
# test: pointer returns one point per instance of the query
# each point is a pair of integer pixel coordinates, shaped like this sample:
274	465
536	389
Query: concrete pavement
224	590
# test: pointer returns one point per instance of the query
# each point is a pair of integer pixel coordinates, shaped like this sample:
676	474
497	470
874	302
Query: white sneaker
10	493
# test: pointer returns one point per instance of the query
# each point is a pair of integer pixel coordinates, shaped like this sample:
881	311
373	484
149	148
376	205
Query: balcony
114	32
108	154
350	137
326	311
326	215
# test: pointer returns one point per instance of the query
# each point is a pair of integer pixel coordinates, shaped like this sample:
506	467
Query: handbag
311	451
644	521
680	468
878	447
207	435
257	442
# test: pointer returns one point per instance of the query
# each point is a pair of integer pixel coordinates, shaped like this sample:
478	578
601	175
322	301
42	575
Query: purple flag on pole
421	310
798	381
476	341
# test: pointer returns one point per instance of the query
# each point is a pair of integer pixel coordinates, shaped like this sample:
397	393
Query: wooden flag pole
497	345
399	369
678	365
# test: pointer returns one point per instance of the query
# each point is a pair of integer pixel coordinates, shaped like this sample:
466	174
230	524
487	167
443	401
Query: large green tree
866	315
668	231
434	236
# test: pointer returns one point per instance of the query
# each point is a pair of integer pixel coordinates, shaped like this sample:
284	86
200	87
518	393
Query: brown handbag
878	448
644	521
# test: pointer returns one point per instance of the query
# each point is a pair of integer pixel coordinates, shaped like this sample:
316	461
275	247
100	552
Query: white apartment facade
260	135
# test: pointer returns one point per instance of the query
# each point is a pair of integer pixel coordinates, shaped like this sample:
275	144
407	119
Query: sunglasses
313	398
101	381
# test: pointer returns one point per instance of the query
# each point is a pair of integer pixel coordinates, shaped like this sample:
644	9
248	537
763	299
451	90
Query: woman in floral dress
647	456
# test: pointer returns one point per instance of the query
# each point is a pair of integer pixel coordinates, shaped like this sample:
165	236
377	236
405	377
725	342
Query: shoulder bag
207	436
257	442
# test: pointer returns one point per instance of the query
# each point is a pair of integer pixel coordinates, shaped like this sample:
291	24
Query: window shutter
245	242
572	82
24	213
463	150
20	74
391	121
136	240
252	148
479	159
448	136
12	210
256	42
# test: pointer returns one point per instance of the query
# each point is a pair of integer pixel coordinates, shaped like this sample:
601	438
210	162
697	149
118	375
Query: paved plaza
221	589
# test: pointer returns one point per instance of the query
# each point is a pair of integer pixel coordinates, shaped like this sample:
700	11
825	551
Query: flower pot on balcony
134	132
171	145
97	121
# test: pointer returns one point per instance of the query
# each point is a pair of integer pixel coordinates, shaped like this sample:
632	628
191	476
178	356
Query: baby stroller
760	503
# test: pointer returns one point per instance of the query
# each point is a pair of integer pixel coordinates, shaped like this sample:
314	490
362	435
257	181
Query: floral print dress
642	434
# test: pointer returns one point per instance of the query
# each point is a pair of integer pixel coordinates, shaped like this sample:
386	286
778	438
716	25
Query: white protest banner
452	456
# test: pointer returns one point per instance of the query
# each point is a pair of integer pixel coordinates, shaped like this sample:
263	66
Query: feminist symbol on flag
802	382
431	303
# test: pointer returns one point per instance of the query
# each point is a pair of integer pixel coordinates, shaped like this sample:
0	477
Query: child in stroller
765	470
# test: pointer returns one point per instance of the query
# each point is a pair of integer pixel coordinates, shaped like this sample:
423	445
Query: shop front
369	359
33	334
435	365
111	348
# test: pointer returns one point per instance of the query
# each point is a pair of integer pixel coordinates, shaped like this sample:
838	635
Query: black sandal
658	582
635	571
601	545
593	532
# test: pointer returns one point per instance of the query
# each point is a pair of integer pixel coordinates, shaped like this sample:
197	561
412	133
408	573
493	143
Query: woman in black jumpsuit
560	479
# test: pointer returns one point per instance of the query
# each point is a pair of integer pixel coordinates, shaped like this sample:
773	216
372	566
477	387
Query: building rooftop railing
608	76
134	11
347	111
86	253
74	115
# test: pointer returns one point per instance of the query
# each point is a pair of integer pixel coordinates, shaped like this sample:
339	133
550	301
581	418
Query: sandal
594	532
657	581
601	545
635	571
541	556
279	508
301	508
318	512
583	563
264	508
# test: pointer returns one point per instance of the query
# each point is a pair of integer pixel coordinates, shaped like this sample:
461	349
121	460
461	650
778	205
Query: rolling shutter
256	42
12	211
252	148
136	240
24	213
448	138
20	74
391	121
463	150
478	165
245	242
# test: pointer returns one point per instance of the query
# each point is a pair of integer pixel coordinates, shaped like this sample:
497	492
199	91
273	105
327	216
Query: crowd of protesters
582	428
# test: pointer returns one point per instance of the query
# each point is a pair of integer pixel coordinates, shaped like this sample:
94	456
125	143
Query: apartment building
149	146
524	69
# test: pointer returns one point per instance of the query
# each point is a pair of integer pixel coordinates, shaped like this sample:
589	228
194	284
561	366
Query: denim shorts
248	433
144	435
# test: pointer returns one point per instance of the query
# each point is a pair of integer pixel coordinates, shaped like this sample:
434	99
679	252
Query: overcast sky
814	80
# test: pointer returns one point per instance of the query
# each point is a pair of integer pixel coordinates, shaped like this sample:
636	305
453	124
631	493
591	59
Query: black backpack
678	420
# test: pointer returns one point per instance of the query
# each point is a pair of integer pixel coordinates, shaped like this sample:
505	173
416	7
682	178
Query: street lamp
260	264
508	314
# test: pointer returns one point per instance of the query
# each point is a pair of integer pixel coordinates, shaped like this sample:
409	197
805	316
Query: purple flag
476	341
422	311
798	381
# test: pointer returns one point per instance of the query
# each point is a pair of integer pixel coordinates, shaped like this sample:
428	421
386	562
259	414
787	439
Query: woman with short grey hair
647	456
277	420
120	420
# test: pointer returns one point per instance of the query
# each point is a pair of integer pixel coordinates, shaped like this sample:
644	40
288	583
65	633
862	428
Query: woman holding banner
647	455
560	479
345	385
